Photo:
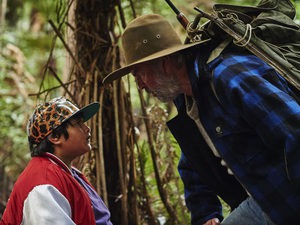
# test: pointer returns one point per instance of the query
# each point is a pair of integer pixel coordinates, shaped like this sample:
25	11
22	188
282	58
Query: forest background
53	47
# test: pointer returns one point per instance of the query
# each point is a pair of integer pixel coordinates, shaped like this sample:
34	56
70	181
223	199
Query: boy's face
77	144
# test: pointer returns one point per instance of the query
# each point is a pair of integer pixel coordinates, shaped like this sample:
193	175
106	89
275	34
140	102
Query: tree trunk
111	161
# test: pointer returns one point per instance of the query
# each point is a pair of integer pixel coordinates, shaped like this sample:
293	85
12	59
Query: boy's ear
54	139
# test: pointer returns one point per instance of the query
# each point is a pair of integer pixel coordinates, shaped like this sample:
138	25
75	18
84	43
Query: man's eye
133	72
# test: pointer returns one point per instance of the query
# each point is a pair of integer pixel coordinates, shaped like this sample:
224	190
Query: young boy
50	190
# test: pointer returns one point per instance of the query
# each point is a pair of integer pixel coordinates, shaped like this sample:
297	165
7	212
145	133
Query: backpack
266	30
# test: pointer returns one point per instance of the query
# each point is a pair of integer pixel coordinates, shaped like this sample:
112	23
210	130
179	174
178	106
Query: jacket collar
57	161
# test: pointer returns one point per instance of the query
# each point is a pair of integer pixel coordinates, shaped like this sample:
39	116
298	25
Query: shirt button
219	130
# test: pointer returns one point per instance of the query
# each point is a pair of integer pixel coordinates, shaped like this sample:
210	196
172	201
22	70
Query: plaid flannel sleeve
200	199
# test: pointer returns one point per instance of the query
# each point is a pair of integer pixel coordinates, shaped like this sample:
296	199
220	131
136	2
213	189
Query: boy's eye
78	122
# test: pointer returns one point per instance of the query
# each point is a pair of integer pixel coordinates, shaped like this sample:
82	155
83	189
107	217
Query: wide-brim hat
147	38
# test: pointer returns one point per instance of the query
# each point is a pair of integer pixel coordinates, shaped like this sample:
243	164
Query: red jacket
50	174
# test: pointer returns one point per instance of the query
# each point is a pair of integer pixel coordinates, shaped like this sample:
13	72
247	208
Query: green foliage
167	155
14	108
13	140
25	41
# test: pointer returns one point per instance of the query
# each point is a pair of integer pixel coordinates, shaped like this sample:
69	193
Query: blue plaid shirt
254	124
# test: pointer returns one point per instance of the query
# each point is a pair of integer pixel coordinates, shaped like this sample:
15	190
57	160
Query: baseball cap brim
88	111
127	69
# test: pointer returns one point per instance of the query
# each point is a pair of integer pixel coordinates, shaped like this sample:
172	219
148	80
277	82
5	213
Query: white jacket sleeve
46	205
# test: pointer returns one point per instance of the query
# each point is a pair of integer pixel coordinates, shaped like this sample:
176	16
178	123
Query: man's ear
54	139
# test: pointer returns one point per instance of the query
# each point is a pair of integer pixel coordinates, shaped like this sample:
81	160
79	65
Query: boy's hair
46	145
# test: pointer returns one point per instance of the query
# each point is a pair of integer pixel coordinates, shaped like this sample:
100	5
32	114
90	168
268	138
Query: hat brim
88	111
126	69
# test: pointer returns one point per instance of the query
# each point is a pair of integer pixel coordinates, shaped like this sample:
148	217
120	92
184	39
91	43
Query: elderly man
237	125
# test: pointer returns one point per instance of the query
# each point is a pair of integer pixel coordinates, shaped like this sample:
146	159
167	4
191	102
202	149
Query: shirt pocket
237	141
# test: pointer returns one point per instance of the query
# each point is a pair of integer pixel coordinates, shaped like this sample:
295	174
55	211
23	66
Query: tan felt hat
146	38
